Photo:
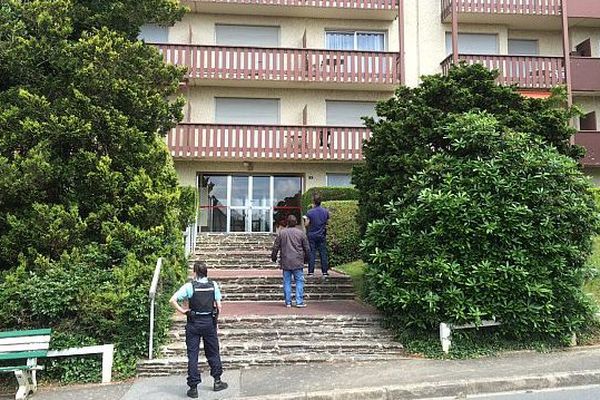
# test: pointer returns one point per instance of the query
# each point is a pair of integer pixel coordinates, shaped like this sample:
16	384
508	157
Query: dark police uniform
201	323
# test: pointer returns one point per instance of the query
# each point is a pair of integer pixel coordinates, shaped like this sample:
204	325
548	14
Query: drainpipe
401	40
567	57
454	31
567	51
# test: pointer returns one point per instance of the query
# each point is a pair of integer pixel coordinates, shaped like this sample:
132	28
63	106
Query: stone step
305	333
242	287
178	365
281	347
278	296
240	265
291	322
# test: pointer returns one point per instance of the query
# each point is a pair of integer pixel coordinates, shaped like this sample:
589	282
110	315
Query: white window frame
328	174
449	51
249	25
355	33
278	99
537	46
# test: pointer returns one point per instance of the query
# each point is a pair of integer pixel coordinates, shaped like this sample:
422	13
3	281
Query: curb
445	389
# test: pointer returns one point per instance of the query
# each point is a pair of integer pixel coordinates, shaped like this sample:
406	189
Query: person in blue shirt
316	223
204	305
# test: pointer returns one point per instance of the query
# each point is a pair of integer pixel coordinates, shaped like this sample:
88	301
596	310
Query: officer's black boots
219	385
193	392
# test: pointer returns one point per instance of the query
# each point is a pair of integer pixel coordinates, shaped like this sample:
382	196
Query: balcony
591	141
531	12
586	9
346	9
526	72
285	67
266	143
585	74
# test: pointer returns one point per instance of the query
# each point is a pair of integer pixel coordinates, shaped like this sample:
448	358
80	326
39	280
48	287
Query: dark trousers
319	244
202	327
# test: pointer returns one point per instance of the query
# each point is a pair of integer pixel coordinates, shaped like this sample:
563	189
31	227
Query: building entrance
247	203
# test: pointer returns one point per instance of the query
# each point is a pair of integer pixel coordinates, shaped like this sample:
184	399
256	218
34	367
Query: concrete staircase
257	330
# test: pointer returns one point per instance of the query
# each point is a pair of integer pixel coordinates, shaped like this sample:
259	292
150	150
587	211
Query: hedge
328	194
343	237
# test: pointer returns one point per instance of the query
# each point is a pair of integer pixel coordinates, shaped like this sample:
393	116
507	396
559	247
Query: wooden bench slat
25	339
15	368
23	354
7	348
32	332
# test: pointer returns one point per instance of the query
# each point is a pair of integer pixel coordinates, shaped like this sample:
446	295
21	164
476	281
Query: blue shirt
187	291
318	217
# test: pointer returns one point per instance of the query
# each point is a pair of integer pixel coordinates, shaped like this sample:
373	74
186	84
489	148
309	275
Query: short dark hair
291	221
317	199
200	269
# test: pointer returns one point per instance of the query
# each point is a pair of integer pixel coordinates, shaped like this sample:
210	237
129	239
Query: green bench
21	350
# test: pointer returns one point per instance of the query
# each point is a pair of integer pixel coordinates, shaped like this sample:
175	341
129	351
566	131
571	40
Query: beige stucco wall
200	29
314	174
549	43
201	102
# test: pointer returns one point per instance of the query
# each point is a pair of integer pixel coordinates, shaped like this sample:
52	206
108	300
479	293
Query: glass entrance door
243	203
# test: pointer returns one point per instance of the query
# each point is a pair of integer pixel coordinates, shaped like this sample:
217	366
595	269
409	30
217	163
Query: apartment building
276	89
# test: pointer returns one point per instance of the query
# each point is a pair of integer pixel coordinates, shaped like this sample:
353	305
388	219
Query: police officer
204	300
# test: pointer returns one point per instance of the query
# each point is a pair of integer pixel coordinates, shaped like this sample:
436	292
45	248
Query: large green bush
328	193
343	238
89	197
496	224
407	131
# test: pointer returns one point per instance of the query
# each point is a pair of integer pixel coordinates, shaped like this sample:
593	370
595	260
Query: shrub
496	224
343	238
188	205
327	194
407	131
89	197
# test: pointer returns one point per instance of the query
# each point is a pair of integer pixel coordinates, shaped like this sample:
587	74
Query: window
247	111
588	121
339	180
473	43
348	113
355	40
154	33
523	47
247	35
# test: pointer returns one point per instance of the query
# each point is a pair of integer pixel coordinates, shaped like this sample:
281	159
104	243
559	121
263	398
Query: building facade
276	89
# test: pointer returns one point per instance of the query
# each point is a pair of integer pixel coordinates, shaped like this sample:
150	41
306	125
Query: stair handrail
152	296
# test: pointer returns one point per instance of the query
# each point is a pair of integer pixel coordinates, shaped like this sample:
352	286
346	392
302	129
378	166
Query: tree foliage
407	132
495	223
88	193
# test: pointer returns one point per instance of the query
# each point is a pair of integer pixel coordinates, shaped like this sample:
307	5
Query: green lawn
356	270
593	287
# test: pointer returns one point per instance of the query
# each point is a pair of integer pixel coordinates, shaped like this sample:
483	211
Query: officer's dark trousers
196	328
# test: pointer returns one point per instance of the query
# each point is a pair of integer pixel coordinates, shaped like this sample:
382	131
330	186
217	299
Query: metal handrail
152	296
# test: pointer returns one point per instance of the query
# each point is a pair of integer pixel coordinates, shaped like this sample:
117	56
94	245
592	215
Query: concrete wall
201	102
200	29
314	174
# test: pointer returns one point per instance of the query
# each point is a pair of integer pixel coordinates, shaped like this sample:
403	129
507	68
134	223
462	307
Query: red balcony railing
283	64
591	141
352	4
524	7
266	142
527	72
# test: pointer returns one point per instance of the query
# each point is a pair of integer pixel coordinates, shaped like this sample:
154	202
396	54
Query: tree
88	194
496	224
408	132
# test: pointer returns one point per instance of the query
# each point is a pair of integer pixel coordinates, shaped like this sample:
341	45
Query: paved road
571	393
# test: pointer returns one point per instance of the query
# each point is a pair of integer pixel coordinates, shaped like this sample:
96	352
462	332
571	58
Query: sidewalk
404	379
